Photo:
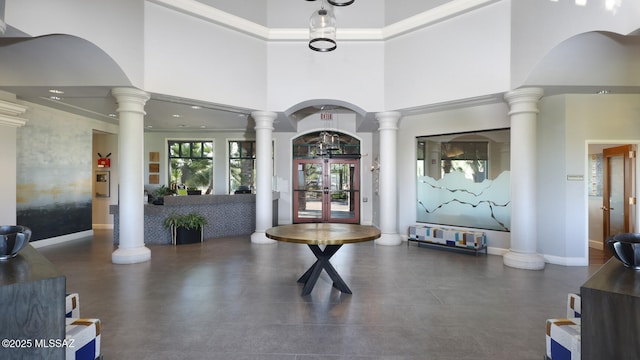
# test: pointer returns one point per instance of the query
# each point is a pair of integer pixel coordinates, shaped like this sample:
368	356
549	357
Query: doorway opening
326	184
612	199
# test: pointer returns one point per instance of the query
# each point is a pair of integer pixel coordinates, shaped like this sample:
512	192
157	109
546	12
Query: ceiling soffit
439	13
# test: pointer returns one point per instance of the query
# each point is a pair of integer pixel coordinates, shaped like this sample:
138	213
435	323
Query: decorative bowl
13	238
626	248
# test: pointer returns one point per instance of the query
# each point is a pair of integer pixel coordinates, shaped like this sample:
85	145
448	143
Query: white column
388	191
131	174
264	176
523	105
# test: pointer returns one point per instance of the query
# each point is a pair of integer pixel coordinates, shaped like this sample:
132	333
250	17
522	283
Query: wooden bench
452	238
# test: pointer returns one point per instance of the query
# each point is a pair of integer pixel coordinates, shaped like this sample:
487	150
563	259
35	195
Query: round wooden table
330	234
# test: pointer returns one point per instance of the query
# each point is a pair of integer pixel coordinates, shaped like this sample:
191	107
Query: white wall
464	57
115	26
353	74
191	58
538	26
568	123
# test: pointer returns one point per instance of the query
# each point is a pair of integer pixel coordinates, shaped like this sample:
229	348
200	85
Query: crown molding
11	121
440	13
215	16
9	113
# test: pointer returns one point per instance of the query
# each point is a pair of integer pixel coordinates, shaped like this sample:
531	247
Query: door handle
606	208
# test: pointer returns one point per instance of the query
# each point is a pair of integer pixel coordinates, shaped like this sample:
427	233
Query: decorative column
523	105
264	176
131	174
388	191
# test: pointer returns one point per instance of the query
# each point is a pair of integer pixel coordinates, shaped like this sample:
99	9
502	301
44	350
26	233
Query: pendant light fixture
340	2
322	30
328	140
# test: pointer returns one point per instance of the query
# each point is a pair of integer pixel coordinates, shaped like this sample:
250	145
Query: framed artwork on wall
102	184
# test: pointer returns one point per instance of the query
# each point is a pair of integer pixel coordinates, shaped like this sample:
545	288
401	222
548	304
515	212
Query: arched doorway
326	178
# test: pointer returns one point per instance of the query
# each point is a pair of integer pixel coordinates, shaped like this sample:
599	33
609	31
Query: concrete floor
229	299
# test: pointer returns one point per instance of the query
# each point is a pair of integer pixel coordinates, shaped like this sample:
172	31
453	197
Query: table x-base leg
310	277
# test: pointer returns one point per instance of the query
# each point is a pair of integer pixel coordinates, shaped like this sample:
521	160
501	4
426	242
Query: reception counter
227	215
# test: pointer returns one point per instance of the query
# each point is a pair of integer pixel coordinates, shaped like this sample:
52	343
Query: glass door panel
616	195
326	190
307	192
344	195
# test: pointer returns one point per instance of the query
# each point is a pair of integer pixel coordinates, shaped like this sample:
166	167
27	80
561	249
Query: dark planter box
188	236
194	192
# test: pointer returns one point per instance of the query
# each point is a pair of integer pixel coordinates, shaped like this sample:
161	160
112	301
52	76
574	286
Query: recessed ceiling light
196	107
113	115
601	92
57	98
176	115
202	127
149	126
56	91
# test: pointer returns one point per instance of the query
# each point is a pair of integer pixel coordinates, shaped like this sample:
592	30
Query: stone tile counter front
227	215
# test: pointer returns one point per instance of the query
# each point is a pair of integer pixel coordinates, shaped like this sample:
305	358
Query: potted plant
160	193
193	191
185	228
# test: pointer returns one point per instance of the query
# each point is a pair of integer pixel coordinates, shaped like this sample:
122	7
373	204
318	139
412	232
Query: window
464	179
470	158
242	169
191	164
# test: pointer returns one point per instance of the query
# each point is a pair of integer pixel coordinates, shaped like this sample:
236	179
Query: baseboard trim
61	239
566	261
102	226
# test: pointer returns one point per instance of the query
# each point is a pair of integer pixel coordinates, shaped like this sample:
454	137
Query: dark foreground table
330	234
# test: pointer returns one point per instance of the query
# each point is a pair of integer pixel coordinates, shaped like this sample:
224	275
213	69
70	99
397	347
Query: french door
326	190
618	198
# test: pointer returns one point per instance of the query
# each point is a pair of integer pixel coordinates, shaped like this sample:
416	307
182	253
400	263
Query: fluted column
523	104
131	174
264	176
388	192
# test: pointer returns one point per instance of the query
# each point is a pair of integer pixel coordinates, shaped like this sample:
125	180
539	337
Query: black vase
13	238
188	236
626	248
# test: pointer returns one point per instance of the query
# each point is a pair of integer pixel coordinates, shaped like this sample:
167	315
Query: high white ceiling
296	13
174	114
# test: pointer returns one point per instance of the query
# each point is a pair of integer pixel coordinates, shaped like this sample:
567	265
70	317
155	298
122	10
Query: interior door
618	198
326	190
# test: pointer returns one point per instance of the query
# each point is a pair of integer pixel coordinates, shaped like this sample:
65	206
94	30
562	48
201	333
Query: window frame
170	141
